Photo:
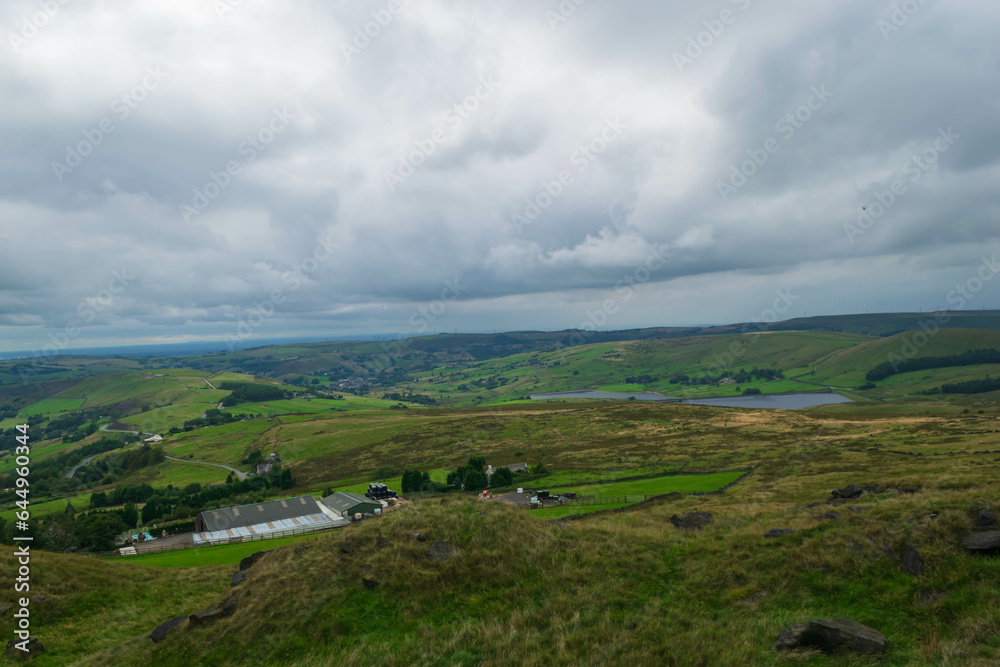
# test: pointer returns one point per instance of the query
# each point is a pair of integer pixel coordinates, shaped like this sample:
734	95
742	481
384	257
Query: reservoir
769	401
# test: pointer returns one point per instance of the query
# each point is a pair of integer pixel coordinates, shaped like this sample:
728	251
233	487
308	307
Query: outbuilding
299	514
345	504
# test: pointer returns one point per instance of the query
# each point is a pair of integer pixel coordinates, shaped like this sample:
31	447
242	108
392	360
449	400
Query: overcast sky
177	170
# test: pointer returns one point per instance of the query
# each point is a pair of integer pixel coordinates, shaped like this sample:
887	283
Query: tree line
970	358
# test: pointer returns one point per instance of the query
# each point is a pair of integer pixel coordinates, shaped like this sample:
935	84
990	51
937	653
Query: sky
178	170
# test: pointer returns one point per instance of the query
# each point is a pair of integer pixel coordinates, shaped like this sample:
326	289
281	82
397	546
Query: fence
595	500
142	550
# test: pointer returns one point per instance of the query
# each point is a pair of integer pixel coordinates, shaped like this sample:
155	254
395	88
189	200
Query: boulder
778	532
833	516
441	551
346	548
912	562
238	578
983	543
848	492
301	549
161	631
692	520
986	518
370	584
209	615
419	537
34	648
252	559
381	542
837	635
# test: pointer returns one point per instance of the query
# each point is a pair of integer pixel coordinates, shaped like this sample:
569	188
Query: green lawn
658	485
52	405
224	554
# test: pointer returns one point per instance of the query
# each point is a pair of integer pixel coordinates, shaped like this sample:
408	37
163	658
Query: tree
96	531
539	469
152	511
70	509
229	478
129	515
477	462
475	480
501	477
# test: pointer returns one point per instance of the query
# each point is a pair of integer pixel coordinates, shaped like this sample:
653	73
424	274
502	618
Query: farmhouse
345	504
513	467
300	514
153	440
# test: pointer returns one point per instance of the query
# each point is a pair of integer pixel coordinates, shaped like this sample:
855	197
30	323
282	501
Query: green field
223	554
53	406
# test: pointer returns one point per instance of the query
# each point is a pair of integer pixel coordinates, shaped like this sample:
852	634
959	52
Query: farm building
345	504
153	440
513	467
301	514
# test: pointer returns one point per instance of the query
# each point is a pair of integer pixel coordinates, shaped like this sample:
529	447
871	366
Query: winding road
240	475
79	465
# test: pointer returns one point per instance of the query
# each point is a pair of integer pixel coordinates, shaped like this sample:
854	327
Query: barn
299	514
345	504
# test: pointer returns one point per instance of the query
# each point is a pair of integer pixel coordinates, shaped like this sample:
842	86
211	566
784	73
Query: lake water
773	401
770	401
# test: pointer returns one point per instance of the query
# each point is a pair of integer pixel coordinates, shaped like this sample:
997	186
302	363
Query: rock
381	542
833	516
673	495
35	648
753	600
238	578
986	518
576	591
850	491
791	638
301	549
252	559
854	546
163	629
346	548
984	543
911	562
441	551
367	567
837	635
692	520
5	607
209	615
778	532
420	537
370	584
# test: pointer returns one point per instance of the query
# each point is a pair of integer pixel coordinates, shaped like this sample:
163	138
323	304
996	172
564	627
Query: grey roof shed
248	515
350	503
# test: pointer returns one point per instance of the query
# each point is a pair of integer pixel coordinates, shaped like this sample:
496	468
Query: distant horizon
130	348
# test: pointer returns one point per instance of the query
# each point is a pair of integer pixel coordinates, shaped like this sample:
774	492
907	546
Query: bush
502	477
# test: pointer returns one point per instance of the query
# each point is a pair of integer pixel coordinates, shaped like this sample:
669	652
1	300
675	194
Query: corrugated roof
306	523
250	515
343	501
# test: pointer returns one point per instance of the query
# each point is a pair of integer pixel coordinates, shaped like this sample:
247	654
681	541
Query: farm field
52	406
223	554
